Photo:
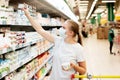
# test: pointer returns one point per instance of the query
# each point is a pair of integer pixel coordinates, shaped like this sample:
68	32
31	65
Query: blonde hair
75	28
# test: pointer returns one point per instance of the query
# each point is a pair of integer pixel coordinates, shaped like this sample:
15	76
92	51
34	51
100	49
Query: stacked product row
18	48
11	40
43	71
24	55
9	17
27	71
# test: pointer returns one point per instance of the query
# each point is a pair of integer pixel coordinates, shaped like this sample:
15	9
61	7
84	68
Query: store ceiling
83	6
101	7
86	5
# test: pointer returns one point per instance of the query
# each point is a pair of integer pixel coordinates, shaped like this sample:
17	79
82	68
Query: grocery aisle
25	55
99	61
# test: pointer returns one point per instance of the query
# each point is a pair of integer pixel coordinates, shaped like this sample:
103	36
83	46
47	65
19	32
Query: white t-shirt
64	52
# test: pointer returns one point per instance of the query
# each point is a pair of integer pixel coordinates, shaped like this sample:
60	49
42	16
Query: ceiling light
108	1
82	17
83	7
92	7
101	6
94	15
114	11
102	14
106	11
83	10
84	1
99	10
83	4
77	17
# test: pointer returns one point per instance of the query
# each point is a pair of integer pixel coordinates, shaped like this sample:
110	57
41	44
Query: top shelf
45	6
41	5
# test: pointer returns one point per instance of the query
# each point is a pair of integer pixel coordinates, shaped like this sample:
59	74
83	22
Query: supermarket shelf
47	70
6	10
19	65
12	25
45	6
23	62
40	67
47	48
19	27
63	8
6	50
42	6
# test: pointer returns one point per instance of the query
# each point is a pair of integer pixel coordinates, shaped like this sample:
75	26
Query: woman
67	50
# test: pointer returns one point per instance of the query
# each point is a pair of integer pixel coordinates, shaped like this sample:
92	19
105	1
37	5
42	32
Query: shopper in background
84	32
111	38
91	30
68	53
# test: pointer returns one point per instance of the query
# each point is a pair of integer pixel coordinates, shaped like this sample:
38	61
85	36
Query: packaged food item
66	66
20	6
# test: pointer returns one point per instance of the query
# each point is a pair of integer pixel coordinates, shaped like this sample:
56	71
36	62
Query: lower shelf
34	72
47	70
23	62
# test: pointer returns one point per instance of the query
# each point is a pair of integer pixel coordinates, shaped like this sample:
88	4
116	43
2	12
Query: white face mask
62	32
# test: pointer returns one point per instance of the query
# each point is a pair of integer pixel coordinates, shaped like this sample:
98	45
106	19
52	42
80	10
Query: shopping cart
117	42
90	77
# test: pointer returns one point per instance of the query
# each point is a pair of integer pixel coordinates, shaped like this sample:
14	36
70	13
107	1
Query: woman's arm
81	67
38	27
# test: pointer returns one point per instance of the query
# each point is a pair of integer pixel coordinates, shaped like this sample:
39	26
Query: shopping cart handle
72	76
89	76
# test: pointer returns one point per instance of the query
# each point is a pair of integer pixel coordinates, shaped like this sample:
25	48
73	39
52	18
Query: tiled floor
99	61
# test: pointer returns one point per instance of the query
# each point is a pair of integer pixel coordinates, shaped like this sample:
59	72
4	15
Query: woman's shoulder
78	46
